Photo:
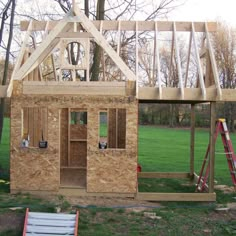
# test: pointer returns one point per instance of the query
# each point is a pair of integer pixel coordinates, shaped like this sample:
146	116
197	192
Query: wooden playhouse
65	112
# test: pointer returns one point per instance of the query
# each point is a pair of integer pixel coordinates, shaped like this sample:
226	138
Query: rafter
42	51
101	41
19	58
202	85
213	63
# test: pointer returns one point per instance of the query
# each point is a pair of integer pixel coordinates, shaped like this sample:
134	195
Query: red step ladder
221	128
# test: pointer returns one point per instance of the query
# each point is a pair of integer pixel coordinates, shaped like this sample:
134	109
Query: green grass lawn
159	149
168	150
4	150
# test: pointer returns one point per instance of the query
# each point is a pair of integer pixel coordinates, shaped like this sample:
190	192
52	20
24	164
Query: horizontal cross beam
129	25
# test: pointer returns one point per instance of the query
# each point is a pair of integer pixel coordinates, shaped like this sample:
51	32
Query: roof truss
70	27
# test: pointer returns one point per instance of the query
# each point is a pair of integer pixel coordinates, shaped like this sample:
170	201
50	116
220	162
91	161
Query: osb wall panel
64	136
34	168
109	170
78	131
78	154
73	177
113	170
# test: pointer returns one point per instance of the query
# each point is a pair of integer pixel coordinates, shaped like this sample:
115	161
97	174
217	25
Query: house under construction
57	117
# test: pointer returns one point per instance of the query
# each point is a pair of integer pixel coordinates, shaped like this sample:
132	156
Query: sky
206	10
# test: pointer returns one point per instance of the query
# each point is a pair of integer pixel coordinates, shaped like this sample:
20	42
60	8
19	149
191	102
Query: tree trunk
86	7
6	65
95	69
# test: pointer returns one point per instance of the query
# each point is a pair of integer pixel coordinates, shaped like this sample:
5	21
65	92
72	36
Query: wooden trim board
163	175
129	25
177	197
190	94
74	88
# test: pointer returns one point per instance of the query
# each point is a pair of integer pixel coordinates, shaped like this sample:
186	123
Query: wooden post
212	147
192	140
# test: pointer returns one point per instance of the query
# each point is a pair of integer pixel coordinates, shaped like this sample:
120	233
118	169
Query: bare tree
225	52
120	9
8	12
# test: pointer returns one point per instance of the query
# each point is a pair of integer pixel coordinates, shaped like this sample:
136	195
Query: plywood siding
109	170
34	168
78	131
78	154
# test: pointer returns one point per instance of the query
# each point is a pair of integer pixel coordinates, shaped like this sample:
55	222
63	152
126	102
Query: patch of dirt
111	202
226	189
11	221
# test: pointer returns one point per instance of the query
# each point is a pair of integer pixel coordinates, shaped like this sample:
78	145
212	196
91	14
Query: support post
212	147
192	140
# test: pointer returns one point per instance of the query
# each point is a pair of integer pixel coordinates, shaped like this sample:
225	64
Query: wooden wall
108	170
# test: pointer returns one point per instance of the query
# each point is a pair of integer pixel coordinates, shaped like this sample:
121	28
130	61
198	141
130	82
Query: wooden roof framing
72	25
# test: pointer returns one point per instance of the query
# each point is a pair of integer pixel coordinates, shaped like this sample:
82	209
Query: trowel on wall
43	143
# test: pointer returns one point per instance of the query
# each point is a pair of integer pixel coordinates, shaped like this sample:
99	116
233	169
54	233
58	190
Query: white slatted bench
50	224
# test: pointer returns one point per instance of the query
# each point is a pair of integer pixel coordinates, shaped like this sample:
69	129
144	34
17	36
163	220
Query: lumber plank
31	125
174	94
163	175
25	129
55	87
156	51
191	94
20	57
179	69
200	197
129	25
192	140
80	35
36	127
213	63
212	146
200	72
188	60
112	128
